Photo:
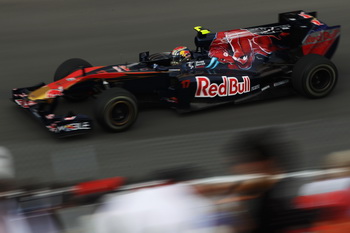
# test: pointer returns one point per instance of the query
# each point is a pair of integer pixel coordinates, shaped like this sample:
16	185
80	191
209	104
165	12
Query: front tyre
80	91
314	76
116	109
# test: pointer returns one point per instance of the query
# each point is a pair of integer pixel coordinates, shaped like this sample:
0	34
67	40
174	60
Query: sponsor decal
280	83
265	88
20	95
229	87
200	63
319	42
172	100
51	128
54	92
270	30
69	127
50	116
321	36
256	87
25	103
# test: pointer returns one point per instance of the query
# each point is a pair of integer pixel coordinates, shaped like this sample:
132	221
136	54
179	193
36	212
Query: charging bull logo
230	86
238	48
52	93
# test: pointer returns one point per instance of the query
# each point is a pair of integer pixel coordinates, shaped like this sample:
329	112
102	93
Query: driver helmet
180	54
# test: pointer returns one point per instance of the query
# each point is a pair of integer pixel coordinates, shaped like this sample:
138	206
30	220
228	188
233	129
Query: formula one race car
229	66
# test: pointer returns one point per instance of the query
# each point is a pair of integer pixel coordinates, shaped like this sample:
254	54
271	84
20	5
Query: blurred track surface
37	35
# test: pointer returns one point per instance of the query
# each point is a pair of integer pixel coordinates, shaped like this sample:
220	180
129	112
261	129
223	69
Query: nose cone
40	93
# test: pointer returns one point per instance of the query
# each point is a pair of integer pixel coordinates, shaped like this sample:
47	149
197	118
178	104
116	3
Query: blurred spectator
338	160
11	220
174	208
6	165
262	152
12	217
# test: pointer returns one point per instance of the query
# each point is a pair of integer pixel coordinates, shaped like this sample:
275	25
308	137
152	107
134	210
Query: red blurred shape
97	186
331	199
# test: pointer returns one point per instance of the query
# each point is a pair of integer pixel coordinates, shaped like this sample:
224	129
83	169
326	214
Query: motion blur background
38	35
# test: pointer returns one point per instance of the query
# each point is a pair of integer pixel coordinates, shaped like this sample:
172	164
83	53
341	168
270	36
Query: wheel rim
120	112
321	79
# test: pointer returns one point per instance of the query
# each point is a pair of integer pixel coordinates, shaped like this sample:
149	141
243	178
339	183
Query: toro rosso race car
226	67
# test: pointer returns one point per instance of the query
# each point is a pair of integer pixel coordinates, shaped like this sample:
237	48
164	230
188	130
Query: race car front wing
60	125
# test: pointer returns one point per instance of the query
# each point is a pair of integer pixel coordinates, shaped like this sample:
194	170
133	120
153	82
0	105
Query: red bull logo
229	87
320	42
322	36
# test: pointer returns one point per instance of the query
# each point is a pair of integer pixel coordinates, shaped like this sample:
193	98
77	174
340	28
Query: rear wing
287	17
311	34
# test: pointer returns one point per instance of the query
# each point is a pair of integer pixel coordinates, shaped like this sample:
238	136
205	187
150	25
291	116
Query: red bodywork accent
77	77
313	19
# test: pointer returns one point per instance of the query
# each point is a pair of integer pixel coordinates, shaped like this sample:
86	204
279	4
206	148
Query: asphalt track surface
38	35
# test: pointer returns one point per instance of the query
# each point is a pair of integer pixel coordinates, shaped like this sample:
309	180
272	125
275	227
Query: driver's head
180	54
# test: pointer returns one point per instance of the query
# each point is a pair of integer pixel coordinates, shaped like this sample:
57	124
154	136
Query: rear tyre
79	92
116	109
314	76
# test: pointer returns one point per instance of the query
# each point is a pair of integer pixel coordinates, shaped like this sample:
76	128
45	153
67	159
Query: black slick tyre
79	92
116	109
314	76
